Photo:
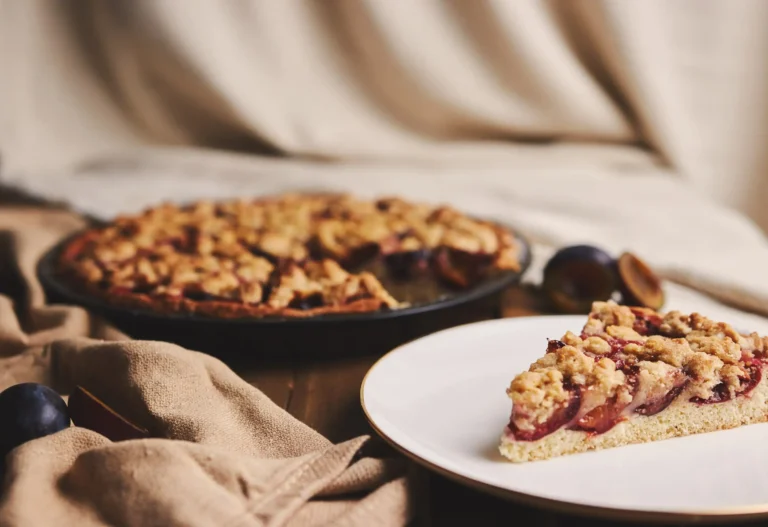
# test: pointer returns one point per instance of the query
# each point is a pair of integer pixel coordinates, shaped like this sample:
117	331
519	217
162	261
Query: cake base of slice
681	418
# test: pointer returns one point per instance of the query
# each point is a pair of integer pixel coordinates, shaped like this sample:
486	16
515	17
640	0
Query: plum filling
554	345
602	418
646	324
361	254
407	264
461	268
721	393
560	417
657	405
306	302
617	349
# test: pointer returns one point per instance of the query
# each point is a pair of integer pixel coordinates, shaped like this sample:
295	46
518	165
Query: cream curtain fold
626	123
375	79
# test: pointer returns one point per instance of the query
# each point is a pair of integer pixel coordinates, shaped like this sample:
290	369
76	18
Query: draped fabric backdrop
632	124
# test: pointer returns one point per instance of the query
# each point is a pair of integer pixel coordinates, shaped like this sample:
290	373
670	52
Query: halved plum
359	255
602	418
560	417
87	411
577	276
305	302
407	264
658	404
646	324
554	345
639	285
721	394
461	268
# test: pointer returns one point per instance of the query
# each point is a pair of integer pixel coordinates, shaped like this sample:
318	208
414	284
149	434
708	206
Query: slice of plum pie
632	376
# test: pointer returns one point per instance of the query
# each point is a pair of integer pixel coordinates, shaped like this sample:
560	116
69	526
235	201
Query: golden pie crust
294	255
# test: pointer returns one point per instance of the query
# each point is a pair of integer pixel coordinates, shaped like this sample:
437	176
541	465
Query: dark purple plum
459	268
578	275
639	285
407	264
306	302
29	411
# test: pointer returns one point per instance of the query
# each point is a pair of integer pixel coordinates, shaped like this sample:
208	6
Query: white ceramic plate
441	400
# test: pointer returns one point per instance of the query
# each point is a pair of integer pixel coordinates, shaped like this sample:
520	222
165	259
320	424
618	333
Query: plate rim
594	511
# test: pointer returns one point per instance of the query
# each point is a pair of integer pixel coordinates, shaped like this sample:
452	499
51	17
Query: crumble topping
753	345
675	324
675	352
611	314
654	379
596	346
635	354
606	379
295	251
705	371
623	332
573	364
540	393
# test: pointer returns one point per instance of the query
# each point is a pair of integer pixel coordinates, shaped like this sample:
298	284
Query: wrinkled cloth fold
220	452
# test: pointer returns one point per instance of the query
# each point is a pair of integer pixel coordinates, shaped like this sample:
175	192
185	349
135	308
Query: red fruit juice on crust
601	419
721	394
561	417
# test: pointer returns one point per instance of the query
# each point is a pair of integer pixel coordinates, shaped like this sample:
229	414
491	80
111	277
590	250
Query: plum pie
293	255
634	375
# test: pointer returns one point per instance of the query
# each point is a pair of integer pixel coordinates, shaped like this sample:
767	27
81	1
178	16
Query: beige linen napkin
221	453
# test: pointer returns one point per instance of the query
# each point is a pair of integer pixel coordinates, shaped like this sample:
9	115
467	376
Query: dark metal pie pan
318	337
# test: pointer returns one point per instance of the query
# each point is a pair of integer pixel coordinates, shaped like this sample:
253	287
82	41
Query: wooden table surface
325	395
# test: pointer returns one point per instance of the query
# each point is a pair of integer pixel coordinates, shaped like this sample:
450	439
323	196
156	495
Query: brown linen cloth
222	454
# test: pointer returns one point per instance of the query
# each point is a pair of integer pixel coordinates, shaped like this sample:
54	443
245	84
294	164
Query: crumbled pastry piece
357	287
326	270
548	361
597	346
724	348
256	270
638	350
611	314
654	380
539	393
732	375
91	270
675	324
571	339
705	371
623	332
574	364
606	378
251	292
674	352
753	345
594	326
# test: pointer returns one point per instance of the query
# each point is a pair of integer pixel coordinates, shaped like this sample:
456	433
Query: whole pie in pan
634	375
294	255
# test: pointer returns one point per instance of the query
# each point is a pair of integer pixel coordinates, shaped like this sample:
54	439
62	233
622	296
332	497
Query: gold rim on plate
594	511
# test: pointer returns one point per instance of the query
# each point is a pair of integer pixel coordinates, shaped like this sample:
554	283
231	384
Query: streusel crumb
539	392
